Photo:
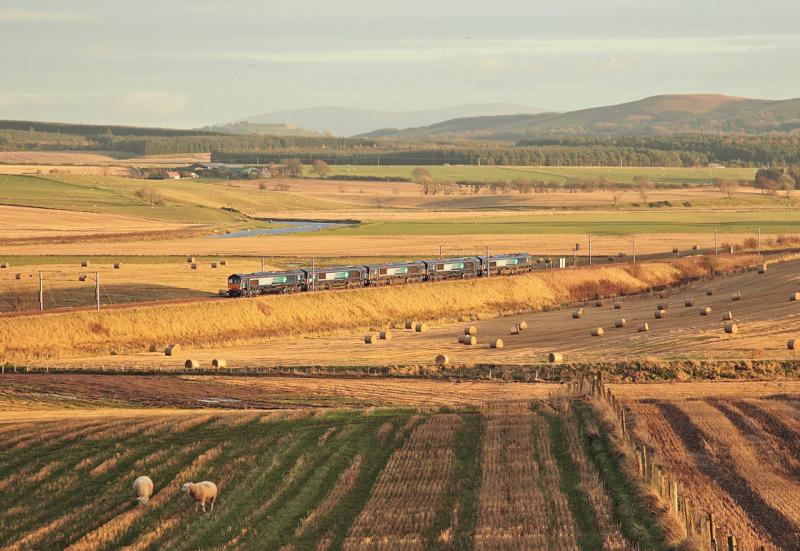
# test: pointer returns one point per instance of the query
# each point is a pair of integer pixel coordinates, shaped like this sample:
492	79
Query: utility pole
313	275
97	289
715	242
488	264
441	251
41	290
590	249
262	263
759	241
634	249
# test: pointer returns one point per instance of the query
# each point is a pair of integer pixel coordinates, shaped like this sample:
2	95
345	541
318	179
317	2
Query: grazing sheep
143	489
201	492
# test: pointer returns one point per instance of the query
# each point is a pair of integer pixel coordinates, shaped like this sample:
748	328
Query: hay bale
792	344
82	277
213	264
84	263
611	259
152	348
461	338
577	314
409	324
555	357
18	276
662	306
522	325
470	340
597	332
420	328
385	335
762	269
442	360
731	328
736	296
675	250
643	328
4	265
709	292
727	316
117	265
471	330
514	330
190	260
695	247
497	343
617	306
794	297
620	323
218	363
194	265
688	302
191	364
223	262
370	339
172	349
705	311
598	304
661	314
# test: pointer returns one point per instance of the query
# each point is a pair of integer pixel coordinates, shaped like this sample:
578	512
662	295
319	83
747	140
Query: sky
189	63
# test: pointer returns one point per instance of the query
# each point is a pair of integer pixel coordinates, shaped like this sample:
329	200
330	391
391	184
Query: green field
607	223
674	176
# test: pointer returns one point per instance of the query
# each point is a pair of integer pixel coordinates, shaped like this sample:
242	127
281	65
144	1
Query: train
374	275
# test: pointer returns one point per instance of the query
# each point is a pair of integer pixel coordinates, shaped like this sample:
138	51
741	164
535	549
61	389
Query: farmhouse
171	175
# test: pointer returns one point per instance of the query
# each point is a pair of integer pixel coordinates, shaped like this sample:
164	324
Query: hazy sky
195	62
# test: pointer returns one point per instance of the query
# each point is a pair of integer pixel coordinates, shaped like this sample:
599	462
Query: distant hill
347	121
264	129
667	114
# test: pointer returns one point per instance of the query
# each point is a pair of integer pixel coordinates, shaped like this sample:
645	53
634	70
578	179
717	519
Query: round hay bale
385	335
370	339
661	314
731	328
18	276
736	296
152	348
762	269
662	306
409	324
792	344
794	297
420	328
598	304
620	323
194	265
82	277
217	363
705	311
223	262
662	295
497	343
470	340
577	314
190	260
727	316
4	265
442	360
514	330
117	265
597	332
461	339
617	306
675	250
172	349
643	328
709	292
522	325
611	259
84	263
555	357
191	364
213	264
471	330
695	247
688	302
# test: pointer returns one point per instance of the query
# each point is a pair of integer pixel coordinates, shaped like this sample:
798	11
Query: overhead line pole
634	248
590	249
41	290
97	289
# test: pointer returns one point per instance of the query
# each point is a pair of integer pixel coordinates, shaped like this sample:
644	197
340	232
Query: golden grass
81	333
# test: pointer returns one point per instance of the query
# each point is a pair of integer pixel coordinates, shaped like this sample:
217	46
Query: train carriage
397	272
337	277
266	283
452	268
505	264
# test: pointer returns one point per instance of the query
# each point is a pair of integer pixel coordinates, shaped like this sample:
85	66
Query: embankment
239	321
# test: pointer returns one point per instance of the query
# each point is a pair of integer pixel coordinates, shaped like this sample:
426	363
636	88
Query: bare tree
320	168
643	184
294	168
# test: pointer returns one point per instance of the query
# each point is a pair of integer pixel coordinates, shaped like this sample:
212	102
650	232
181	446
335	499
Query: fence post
645	462
732	545
712	531
674	496
640	460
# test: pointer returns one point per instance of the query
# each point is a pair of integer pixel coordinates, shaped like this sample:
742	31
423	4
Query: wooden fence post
732	545
712	531
640	460
674	496
646	462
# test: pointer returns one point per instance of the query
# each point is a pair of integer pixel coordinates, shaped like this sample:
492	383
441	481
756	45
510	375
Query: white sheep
143	489
202	493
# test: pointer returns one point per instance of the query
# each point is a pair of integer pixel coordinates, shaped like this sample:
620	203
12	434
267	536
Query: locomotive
373	275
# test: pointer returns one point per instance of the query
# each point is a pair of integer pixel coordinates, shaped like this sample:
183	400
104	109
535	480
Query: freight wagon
398	272
452	268
337	277
506	264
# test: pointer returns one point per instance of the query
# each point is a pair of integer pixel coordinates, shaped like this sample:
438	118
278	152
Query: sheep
143	489
201	492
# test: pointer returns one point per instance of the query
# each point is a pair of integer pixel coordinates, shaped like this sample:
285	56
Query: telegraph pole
715	242
97	289
313	275
590	249
441	251
759	241
262	263
488	265
634	249
41	290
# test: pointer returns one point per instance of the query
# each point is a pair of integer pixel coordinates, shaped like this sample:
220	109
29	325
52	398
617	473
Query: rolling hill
665	114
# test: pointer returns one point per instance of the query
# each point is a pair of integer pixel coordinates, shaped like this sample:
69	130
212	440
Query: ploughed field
766	319
733	450
509	475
